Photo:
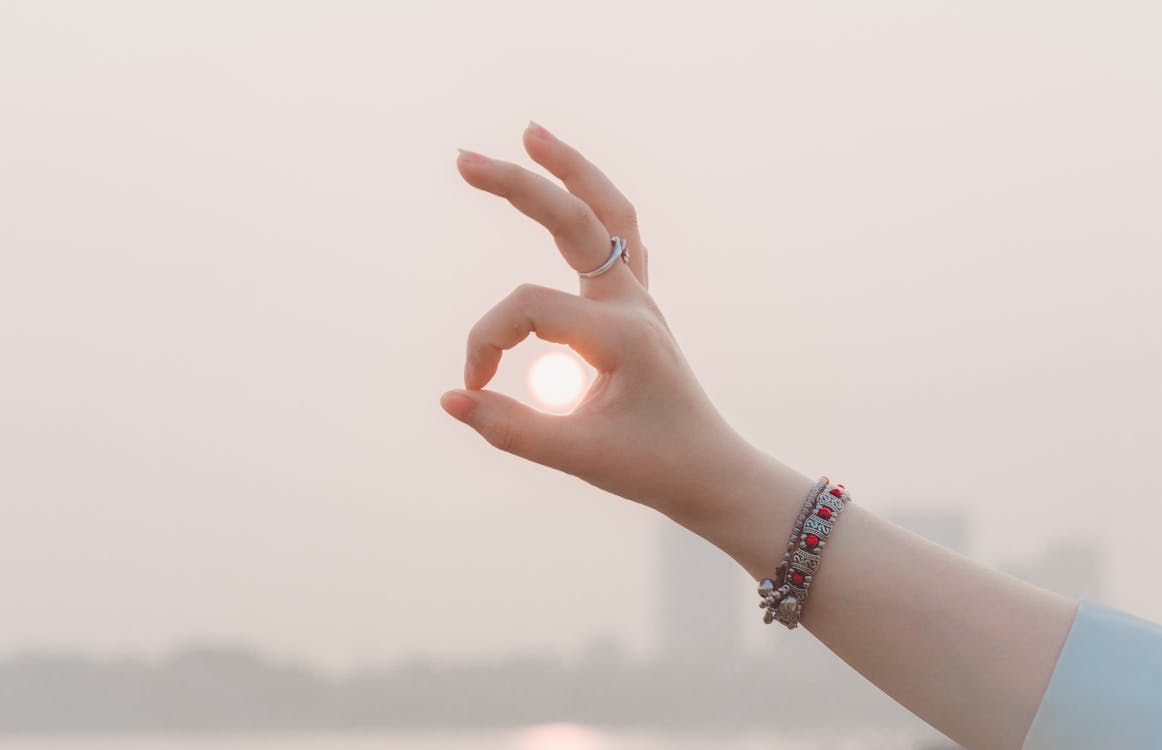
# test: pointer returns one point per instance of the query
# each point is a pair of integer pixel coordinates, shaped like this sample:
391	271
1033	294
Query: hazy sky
912	245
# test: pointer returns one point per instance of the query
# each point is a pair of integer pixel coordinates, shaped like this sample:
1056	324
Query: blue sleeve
1106	689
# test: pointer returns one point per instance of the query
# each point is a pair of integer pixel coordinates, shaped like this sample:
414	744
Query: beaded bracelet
767	593
785	601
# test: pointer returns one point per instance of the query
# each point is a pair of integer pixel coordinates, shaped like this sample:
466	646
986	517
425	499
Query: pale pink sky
912	245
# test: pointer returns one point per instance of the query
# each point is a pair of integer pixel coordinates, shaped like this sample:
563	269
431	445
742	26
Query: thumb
510	425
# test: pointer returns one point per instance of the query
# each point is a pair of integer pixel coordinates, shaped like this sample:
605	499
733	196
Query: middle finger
583	179
580	236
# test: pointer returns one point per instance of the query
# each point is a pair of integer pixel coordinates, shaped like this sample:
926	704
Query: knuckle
527	295
475	335
510	179
474	351
643	328
575	218
502	436
626	215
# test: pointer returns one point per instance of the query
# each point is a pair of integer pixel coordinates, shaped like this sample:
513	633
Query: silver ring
619	249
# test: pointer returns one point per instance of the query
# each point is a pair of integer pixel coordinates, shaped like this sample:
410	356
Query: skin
967	648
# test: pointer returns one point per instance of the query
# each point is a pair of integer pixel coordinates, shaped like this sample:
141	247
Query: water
546	737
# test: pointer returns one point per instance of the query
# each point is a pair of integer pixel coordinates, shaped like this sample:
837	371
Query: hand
645	429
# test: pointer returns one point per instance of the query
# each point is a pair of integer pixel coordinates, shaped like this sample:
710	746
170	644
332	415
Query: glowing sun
557	380
560	737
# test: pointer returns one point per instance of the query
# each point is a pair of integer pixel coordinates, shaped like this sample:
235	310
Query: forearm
968	649
965	647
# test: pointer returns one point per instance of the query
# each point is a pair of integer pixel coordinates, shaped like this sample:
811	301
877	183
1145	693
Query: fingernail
472	156
457	404
539	130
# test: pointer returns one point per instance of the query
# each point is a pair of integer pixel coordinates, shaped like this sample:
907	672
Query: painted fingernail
539	130
472	156
457	404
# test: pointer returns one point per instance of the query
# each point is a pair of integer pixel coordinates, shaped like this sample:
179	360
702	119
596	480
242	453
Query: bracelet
784	600
769	598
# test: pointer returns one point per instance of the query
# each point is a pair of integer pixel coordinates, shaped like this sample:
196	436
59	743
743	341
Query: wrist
756	499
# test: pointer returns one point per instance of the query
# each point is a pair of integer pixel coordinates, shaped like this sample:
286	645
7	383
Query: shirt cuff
1106	688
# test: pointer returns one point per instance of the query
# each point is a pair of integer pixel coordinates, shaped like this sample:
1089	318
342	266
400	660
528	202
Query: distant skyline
700	609
236	690
913	246
703	678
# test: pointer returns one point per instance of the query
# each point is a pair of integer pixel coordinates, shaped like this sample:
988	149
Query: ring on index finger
619	249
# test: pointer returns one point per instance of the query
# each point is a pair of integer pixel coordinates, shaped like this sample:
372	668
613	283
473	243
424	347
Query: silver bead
789	607
766	587
769	617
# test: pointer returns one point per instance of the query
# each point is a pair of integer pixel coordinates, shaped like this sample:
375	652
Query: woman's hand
645	430
931	628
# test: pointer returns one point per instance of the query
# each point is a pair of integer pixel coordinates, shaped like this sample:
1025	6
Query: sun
557	380
560	737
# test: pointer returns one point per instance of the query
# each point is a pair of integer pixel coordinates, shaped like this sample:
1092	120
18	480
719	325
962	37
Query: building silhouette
704	676
700	606
1070	567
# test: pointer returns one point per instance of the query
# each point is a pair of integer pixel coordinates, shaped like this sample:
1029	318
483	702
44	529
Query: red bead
837	492
797	578
812	540
824	512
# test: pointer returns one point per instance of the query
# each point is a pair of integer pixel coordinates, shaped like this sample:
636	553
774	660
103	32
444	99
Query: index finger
552	314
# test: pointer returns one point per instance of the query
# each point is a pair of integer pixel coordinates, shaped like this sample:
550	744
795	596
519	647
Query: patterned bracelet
784	601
